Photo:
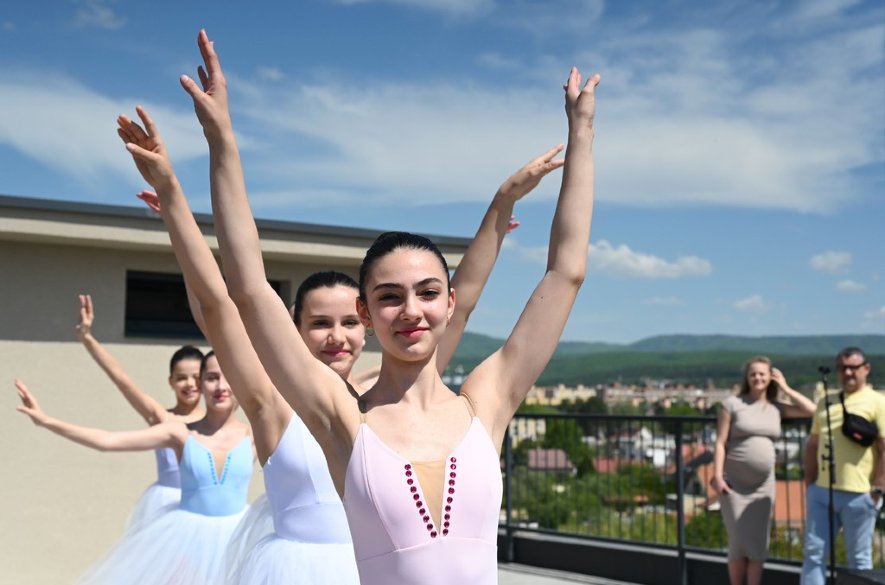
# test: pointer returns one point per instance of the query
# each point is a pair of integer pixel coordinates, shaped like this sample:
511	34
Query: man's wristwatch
879	491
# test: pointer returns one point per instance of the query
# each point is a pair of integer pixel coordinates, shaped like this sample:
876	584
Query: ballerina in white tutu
182	543
298	533
184	380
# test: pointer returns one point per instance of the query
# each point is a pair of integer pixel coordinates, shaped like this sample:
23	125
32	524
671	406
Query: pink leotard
395	536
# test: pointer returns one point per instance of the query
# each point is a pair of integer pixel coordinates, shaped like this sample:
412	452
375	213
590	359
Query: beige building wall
65	505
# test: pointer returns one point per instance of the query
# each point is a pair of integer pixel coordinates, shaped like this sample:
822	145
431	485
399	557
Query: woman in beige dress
743	464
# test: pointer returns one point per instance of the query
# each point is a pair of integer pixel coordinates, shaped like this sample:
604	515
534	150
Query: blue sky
740	145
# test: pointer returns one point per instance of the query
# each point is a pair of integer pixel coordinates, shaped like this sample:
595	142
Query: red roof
550	459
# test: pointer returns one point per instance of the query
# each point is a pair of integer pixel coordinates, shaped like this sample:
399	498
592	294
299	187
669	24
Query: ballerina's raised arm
500	383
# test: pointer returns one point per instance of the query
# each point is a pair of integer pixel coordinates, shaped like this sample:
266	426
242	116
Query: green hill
475	347
688	359
782	345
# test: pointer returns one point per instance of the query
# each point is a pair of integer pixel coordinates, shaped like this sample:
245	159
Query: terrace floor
513	574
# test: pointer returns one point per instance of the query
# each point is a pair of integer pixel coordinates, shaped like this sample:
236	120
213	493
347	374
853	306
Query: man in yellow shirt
856	500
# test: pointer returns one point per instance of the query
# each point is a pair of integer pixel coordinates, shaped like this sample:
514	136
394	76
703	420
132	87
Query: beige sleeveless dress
749	472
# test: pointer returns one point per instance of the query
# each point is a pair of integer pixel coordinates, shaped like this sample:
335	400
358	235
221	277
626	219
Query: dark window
156	306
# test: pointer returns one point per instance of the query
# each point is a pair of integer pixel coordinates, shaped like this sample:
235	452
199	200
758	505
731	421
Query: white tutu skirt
257	556
175	548
155	497
256	525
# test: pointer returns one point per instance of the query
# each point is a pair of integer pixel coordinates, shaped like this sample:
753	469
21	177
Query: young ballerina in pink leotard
408	430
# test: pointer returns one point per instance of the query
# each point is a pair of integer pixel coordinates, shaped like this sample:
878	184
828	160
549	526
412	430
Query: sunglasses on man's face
845	368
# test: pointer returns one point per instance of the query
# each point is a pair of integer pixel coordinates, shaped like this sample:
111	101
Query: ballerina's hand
210	102
580	103
147	149
87	316
520	183
29	404
150	199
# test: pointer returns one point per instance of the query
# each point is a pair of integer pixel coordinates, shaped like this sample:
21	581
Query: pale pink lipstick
411	333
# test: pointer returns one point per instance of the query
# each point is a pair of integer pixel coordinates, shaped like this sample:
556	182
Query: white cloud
850	286
752	304
534	254
621	261
831	261
732	116
664	301
453	7
96	13
499	62
624	262
550	16
687	117
70	128
399	143
680	108
269	73
286	199
822	9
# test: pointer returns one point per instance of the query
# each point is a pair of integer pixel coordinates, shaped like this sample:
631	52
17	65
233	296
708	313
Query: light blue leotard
185	542
204	492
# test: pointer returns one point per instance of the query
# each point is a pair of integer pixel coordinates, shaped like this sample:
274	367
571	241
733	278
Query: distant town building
652	392
550	460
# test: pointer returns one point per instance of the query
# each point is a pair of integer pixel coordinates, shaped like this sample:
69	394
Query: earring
370	332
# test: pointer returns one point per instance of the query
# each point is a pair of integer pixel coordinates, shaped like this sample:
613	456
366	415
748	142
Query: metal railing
640	480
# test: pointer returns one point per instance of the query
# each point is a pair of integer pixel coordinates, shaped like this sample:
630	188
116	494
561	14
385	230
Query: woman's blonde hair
773	388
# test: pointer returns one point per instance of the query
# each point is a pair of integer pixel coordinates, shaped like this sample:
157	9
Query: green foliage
786	542
791	471
520	452
642	479
679	408
542	497
594	405
535	409
628	409
566	434
640	526
706	530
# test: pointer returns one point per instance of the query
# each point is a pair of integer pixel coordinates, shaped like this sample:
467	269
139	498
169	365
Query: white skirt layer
257	556
256	525
276	560
175	548
154	498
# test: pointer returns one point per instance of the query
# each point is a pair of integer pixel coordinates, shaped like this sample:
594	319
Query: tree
566	434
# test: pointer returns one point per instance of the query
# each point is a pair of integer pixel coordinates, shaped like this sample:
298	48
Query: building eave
48	221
